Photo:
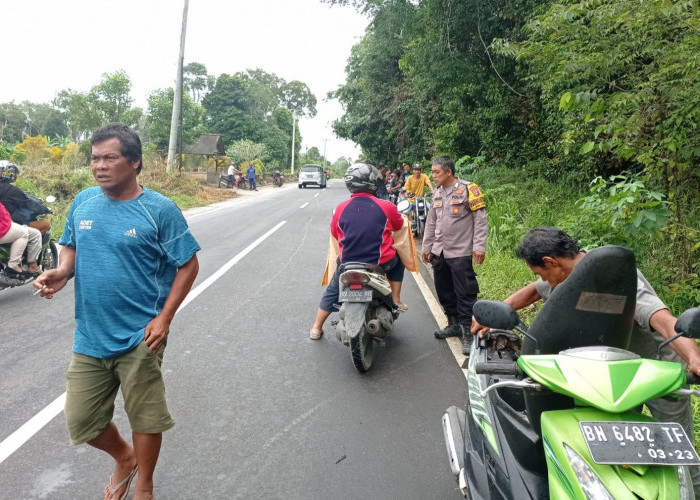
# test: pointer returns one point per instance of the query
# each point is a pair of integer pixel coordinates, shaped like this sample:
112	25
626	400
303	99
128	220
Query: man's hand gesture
51	281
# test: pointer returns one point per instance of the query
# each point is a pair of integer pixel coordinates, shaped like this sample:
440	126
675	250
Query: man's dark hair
445	162
129	140
381	166
546	242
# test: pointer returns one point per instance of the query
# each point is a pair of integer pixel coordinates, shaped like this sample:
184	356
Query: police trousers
456	286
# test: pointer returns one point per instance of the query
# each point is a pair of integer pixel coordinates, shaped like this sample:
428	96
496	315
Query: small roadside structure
209	145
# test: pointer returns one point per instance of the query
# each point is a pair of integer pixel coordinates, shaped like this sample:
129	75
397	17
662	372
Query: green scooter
553	412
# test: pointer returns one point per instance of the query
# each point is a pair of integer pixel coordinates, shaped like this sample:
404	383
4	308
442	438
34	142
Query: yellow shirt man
417	183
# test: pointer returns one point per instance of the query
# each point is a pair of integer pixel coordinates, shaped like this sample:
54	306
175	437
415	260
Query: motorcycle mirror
496	314
403	205
689	323
50	199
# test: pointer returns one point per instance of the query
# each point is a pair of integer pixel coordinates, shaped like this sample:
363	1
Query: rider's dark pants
456	286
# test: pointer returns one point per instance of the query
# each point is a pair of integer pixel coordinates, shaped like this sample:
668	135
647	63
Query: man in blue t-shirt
134	261
251	178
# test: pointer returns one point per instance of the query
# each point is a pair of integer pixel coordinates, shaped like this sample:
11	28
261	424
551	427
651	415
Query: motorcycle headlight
590	483
685	484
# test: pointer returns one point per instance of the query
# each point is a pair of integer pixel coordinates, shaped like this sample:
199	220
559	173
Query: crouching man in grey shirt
552	254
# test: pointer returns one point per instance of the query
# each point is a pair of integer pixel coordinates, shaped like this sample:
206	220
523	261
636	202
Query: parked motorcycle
239	183
544	425
420	213
367	311
48	259
277	179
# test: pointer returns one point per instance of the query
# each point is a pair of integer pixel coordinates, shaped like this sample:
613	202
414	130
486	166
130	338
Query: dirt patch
214	195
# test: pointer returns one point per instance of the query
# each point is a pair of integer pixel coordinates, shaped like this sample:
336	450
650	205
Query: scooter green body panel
622	482
612	386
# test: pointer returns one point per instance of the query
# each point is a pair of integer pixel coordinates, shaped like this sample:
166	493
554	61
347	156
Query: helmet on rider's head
362	178
8	171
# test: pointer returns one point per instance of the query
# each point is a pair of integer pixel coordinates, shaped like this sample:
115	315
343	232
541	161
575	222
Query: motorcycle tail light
354	278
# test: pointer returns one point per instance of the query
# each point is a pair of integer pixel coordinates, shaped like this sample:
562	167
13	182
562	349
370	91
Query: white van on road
312	175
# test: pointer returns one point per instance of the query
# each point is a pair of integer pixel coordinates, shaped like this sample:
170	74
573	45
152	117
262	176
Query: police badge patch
476	198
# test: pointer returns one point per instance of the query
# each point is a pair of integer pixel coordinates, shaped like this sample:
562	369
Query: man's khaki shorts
93	384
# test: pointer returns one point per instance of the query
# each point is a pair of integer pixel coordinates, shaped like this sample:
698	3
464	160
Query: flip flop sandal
124	482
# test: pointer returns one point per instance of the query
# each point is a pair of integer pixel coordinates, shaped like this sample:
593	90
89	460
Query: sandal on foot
124	483
315	334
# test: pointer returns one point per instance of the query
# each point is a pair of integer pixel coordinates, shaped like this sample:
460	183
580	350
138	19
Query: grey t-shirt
644	340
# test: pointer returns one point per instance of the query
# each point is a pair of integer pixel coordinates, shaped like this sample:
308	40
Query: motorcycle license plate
348	295
642	443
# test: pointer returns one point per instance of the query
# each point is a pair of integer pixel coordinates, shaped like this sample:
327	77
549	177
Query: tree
160	108
82	116
13	122
298	98
246	151
197	81
112	100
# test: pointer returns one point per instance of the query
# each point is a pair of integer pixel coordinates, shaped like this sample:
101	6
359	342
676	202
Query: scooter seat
362	266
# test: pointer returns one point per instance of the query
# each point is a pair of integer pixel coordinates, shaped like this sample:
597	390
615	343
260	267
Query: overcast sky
53	45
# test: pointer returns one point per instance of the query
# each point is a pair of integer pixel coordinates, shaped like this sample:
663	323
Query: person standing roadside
232	171
406	171
251	178
454	240
382	193
134	261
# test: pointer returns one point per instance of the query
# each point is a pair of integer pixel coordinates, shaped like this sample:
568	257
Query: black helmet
8	171
362	178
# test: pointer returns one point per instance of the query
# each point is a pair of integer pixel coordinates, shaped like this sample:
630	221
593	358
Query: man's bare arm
53	280
664	322
158	328
518	300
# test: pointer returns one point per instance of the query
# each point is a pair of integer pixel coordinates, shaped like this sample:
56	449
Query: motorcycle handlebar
692	379
509	368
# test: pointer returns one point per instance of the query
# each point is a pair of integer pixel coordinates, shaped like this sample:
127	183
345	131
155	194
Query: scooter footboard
572	472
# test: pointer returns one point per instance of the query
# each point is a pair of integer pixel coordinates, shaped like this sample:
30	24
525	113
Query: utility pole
324	153
177	98
294	131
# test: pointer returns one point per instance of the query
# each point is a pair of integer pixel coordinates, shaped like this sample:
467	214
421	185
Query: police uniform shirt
456	224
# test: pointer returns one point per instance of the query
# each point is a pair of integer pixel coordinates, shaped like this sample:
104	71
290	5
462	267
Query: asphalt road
261	410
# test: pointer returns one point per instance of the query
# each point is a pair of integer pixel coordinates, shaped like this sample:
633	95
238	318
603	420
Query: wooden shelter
209	145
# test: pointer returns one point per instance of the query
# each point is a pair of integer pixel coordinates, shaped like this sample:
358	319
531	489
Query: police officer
454	239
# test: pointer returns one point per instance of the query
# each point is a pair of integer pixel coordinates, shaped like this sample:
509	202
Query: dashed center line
304	205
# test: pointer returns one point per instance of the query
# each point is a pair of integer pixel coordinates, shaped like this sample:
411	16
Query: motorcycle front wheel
243	185
49	257
362	350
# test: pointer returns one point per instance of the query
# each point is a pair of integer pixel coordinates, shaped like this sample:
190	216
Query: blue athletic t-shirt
127	255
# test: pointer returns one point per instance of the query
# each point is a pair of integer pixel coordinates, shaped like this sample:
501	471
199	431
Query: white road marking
15	440
34	425
304	205
454	343
316	195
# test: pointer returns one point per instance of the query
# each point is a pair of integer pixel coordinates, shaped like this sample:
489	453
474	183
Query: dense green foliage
598	96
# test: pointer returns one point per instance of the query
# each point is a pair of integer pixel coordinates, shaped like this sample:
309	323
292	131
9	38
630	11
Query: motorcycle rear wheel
223	183
49	257
362	350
